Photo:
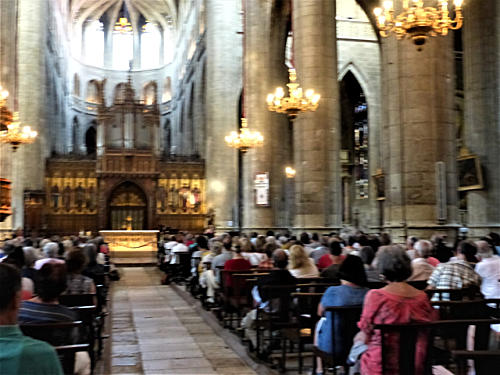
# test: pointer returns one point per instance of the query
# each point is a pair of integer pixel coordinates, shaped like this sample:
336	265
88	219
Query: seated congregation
351	304
52	305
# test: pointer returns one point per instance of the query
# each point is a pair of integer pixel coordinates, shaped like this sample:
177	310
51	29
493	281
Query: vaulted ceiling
162	12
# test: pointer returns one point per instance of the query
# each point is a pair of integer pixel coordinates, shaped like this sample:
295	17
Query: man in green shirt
19	354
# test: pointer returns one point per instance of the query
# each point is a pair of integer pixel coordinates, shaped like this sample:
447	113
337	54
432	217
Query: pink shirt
433	261
382	307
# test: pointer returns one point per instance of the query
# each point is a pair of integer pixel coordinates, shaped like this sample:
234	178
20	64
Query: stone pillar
223	90
136	64
317	134
481	44
265	38
418	132
29	163
108	45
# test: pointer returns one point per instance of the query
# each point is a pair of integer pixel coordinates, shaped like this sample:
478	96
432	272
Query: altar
138	246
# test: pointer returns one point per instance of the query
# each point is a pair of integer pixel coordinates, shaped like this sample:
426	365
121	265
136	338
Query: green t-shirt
22	355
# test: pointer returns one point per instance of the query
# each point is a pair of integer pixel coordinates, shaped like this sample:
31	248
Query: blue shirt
342	295
20	354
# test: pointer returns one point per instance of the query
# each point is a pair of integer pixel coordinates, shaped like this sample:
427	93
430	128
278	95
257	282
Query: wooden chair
275	317
348	317
314	287
56	334
71	300
88	331
454	294
304	322
406	336
485	361
418	284
66	354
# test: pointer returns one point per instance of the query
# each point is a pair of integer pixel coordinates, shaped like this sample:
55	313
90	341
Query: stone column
223	90
481	44
29	163
265	38
418	132
317	134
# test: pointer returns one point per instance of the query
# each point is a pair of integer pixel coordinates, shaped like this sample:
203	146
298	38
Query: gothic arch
167	90
119	94
127	199
93	92
358	74
150	93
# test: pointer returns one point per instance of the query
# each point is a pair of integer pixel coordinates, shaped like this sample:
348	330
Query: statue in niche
161	193
91	198
66	197
184	198
79	196
196	198
55	194
173	198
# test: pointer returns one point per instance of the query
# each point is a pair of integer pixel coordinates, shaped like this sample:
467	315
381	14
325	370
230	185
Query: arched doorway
90	140
127	203
355	172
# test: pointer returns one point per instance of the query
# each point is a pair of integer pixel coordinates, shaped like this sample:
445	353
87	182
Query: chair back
71	300
418	284
344	324
66	354
280	301
470	293
61	333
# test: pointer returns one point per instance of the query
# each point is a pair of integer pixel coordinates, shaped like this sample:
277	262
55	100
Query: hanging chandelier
290	172
417	22
245	139
123	26
16	134
295	103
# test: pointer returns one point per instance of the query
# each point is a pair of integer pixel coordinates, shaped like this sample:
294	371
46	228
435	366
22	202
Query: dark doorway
127	206
90	140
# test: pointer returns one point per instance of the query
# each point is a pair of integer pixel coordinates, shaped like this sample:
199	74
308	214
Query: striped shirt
33	312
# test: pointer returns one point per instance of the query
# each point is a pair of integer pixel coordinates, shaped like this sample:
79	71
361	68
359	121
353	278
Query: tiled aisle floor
156	332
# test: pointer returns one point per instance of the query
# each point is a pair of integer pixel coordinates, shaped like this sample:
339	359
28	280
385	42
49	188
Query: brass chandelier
294	104
245	139
417	22
10	127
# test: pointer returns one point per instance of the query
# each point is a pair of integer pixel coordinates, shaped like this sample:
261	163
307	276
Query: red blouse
382	307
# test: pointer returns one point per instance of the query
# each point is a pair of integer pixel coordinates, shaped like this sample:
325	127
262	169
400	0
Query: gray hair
30	255
484	249
394	263
423	248
216	247
50	249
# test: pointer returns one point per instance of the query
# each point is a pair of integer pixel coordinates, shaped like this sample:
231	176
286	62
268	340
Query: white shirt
180	248
489	270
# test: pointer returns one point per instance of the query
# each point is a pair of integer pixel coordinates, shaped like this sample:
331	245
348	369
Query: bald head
280	259
484	250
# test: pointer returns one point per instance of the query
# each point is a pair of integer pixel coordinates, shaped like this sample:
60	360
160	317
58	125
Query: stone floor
155	331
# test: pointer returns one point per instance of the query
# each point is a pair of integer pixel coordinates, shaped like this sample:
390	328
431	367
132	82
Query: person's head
76	261
351	240
315	237
253	235
280	259
298	257
179	238
385	239
367	254
30	256
304	238
484	249
467	250
335	248
16	258
324	241
394	263
423	248
91	252
410	242
260	242
269	249
270	233
50	281
352	270
10	293
495	237
202	242
246	245
50	249
216	247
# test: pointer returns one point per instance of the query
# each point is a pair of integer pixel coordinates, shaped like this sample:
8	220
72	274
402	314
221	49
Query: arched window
92	92
150	46
168	138
150	93
76	85
123	50
90	139
167	90
120	93
74	133
93	35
